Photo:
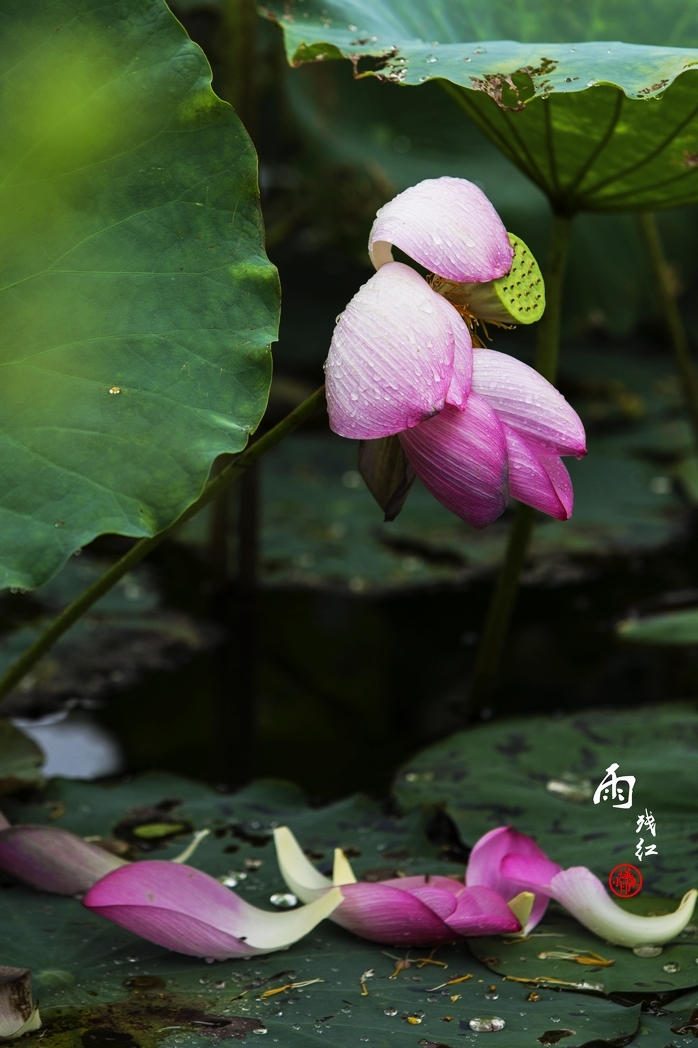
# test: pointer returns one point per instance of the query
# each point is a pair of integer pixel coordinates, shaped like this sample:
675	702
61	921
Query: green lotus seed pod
517	298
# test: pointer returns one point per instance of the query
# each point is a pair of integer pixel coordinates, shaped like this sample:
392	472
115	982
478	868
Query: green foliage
20	760
598	125
96	980
538	774
673	627
138	303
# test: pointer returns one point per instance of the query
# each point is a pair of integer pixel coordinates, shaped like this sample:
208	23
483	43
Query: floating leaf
674	627
138	303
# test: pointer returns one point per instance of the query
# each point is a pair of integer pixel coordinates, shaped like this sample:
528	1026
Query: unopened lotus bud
516	298
54	859
17	1014
389	477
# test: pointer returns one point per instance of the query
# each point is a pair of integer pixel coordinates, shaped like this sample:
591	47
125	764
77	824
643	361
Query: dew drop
115	389
555	1019
590	83
388	1011
647	951
431	58
284	900
671	967
492	996
260	1029
486	1023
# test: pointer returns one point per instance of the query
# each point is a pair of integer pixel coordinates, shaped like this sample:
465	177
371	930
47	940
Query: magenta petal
447	225
53	859
174	906
481	911
460	457
385	914
530	479
486	866
560	478
408	884
397	352
528	403
529	872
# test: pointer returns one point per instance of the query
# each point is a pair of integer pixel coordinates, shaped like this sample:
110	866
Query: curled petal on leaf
487	865
185	910
53	859
386	914
528	403
583	894
538	480
399	353
447	225
461	458
303	879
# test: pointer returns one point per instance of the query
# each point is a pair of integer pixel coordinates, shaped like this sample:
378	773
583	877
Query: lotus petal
383	913
17	1013
447	225
302	878
538	480
528	403
489	861
399	353
460	457
53	859
185	910
481	911
585	897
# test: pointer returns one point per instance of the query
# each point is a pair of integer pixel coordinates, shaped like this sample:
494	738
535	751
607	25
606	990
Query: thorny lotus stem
231	472
672	317
504	597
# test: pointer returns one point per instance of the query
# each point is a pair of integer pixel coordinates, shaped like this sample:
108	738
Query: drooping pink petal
460	457
398	352
447	225
583	894
486	866
481	911
528	403
533	477
53	859
185	910
388	915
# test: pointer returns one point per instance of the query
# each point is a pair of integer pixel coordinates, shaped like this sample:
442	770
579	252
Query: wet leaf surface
515	772
20	760
138	302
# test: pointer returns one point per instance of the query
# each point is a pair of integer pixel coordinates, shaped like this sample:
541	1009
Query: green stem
213	488
672	317
504	597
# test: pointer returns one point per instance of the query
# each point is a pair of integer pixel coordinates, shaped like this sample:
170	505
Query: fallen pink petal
53	859
186	910
407	911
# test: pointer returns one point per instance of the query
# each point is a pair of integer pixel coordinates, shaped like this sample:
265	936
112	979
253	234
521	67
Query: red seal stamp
625	880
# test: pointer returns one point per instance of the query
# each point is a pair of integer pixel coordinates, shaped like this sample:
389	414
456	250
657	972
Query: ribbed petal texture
185	910
447	225
398	352
538	480
487	865
528	403
460	457
53	859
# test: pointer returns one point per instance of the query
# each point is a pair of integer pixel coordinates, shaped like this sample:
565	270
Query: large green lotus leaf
138	303
674	968
539	774
598	125
97	982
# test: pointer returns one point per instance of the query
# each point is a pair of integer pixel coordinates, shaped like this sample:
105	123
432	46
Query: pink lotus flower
410	911
185	910
507	862
476	425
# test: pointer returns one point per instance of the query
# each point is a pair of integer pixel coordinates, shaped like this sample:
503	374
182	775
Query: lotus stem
141	549
672	316
504	597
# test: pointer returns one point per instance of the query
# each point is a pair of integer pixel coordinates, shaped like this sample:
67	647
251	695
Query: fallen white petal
342	872
583	894
302	878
